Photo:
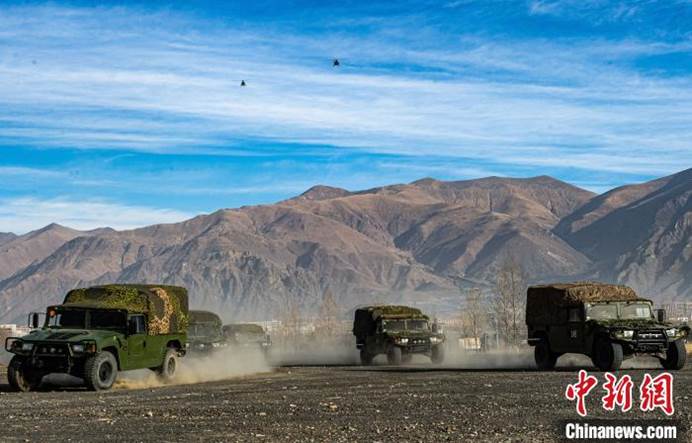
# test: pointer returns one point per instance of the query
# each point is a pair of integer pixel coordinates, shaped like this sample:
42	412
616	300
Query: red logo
618	393
580	390
657	392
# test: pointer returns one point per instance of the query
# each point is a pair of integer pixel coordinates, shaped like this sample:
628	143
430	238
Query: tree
473	315
328	314
509	300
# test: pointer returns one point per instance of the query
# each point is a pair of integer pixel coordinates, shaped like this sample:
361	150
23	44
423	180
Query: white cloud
24	214
170	84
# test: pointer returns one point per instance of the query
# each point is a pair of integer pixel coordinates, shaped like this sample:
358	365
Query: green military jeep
101	330
247	335
608	323
205	333
397	331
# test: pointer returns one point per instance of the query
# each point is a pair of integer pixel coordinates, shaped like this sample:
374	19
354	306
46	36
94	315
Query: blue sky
130	113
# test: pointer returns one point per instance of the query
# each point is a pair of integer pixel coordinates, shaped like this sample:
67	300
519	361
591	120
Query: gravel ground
416	403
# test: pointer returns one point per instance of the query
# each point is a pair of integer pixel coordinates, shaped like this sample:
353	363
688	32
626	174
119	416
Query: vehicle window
417	325
636	311
71	318
106	320
393	325
137	325
575	314
602	312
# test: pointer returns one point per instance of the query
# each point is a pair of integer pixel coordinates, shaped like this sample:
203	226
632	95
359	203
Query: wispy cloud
21	215
166	83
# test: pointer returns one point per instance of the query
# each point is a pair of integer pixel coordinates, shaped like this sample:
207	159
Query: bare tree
509	300
328	315
473	315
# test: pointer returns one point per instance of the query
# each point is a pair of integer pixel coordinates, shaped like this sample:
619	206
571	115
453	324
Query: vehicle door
575	329
137	341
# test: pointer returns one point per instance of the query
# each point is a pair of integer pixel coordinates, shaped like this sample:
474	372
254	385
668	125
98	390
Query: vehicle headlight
216	345
78	348
628	333
27	346
435	340
672	332
402	341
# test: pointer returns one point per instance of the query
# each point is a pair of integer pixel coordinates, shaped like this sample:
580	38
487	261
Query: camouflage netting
243	328
544	302
197	317
365	317
166	305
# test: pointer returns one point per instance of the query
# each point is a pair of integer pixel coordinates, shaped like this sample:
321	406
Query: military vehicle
247	335
397	331
608	323
205	332
101	330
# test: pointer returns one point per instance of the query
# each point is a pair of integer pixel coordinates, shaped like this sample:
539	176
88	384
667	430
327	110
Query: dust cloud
195	368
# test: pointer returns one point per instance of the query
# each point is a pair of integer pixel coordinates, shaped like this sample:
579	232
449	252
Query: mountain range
416	243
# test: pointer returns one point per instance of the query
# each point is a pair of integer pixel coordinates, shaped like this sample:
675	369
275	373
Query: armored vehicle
101	330
397	331
247	335
205	333
608	323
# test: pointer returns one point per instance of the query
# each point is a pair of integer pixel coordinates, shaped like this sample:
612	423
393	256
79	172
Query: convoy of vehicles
608	323
204	333
101	330
399	332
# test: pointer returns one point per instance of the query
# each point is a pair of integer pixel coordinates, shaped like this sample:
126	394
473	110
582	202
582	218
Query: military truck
608	323
205	334
247	335
101	330
397	331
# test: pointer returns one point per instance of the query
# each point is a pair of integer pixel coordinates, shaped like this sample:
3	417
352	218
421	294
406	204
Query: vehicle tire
167	370
676	356
365	357
545	358
437	355
20	378
100	371
394	356
607	356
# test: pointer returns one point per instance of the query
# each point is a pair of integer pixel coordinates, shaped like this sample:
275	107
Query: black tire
168	368
676	356
100	371
545	358
365	357
606	355
394	356
20	378
437	356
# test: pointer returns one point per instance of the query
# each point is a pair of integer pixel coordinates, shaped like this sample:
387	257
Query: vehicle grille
52	350
419	344
651	337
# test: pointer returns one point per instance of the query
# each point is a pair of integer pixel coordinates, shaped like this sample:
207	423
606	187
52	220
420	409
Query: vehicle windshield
404	325
619	311
200	330
602	312
86	319
636	311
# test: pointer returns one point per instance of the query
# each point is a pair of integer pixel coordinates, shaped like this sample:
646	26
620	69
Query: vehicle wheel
100	371
438	354
406	358
394	355
365	357
607	356
20	378
545	358
676	356
167	370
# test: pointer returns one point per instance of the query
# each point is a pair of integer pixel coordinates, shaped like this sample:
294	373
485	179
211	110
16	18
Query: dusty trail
381	403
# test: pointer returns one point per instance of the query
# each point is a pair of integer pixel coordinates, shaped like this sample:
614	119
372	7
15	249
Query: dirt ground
318	403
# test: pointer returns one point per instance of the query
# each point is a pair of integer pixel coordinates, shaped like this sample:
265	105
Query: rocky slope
417	241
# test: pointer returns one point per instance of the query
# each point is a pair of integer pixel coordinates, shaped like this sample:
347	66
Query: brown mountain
395	243
640	235
6	236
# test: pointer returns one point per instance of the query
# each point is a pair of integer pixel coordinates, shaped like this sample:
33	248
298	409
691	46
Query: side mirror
661	315
34	320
